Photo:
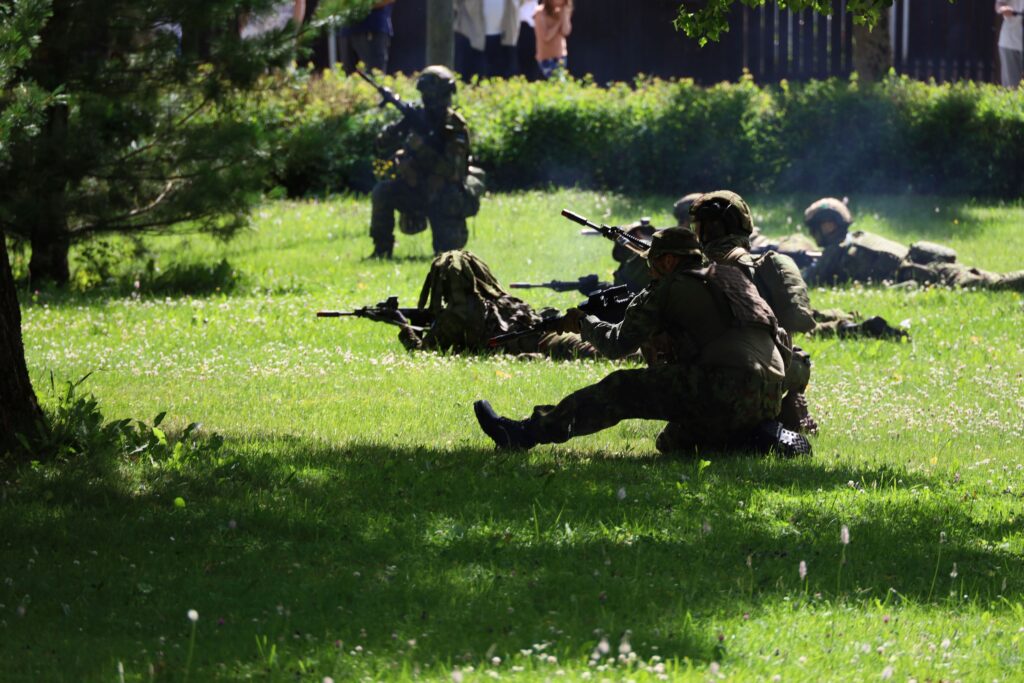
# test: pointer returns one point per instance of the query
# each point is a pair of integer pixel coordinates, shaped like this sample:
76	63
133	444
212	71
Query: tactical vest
870	257
747	306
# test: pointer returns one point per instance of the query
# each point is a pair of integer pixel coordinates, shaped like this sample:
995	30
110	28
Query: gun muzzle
575	217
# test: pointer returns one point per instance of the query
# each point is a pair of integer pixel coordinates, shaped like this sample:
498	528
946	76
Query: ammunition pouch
412	223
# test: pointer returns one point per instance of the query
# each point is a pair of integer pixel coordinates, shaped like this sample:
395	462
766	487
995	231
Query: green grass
356	523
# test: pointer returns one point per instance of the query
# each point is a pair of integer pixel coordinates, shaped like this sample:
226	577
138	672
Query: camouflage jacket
430	162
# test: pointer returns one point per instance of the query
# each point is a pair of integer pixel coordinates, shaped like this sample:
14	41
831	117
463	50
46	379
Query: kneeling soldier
721	384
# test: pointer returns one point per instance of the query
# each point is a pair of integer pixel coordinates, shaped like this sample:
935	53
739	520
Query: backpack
871	257
468	304
779	282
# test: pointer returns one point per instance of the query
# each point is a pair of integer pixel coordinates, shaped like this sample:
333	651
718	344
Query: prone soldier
865	257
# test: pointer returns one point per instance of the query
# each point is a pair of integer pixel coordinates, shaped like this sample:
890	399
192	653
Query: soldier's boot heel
507	434
772	437
795	415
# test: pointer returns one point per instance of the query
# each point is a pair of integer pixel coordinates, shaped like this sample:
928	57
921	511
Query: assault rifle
607	304
586	285
387	311
615	234
803	259
414	115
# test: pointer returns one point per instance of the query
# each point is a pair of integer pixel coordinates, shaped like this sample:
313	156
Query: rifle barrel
333	314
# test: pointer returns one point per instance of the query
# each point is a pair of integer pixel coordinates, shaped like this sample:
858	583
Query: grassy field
356	524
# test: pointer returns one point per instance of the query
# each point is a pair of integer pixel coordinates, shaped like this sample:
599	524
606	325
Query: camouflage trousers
828	321
703	406
959	275
445	213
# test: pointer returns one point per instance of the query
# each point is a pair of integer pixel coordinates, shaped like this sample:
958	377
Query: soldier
468	306
433	178
721	386
863	257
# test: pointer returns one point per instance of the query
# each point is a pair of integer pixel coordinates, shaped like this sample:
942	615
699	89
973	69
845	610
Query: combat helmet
828	209
720	214
681	209
679	241
436	80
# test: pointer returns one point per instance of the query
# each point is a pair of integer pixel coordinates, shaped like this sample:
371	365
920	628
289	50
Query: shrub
825	137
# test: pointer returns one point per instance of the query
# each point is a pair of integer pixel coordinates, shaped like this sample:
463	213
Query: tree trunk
440	33
19	410
49	259
872	49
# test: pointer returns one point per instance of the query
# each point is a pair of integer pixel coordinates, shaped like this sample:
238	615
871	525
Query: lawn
356	524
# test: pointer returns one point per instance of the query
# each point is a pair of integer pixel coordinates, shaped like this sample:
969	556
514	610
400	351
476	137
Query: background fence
615	40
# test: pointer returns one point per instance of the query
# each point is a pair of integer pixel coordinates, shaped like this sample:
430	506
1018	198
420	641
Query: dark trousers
526	53
372	49
494	61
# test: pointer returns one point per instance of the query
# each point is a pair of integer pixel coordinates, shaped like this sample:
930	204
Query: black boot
873	328
795	415
380	253
772	437
506	433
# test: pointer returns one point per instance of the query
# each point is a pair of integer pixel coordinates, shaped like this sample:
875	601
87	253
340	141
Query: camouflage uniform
724	371
723	224
469	306
858	256
433	180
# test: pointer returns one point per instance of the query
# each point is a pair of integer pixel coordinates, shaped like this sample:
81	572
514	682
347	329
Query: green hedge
826	137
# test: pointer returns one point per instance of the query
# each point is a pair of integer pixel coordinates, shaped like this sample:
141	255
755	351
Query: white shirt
494	11
526	11
1010	34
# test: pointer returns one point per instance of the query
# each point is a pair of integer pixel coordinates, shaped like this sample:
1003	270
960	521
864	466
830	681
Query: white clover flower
193	616
953	574
803	570
886	673
621	493
844	535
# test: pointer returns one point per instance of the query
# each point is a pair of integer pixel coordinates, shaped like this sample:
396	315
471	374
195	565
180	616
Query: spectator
1011	43
486	32
526	47
368	41
552	23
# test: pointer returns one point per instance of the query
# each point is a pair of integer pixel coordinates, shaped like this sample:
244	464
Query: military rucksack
779	282
871	257
925	253
468	304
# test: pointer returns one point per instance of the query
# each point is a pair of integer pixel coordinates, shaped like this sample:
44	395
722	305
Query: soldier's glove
570	322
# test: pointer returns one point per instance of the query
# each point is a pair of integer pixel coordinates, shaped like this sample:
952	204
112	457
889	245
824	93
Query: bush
824	137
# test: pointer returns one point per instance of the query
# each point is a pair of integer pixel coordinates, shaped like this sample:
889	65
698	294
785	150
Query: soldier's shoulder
456	118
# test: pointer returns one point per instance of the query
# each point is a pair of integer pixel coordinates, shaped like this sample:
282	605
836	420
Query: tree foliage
144	135
709	21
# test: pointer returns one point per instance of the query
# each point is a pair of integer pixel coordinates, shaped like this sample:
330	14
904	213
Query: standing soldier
721	384
433	179
861	256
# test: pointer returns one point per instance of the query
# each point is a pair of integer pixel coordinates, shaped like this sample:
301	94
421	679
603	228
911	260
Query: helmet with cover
436	82
678	241
681	209
828	220
720	214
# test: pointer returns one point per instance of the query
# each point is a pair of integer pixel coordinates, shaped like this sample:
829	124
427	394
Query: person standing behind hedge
1011	43
369	40
552	24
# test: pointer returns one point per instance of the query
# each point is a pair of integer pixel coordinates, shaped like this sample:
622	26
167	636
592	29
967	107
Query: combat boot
506	433
874	328
380	253
794	414
772	437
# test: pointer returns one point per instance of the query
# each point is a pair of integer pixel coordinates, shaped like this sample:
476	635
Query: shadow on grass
470	554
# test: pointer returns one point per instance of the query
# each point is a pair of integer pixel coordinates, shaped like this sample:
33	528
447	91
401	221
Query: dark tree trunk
19	410
872	50
49	259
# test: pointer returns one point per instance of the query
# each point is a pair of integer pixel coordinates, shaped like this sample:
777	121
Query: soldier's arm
640	323
826	268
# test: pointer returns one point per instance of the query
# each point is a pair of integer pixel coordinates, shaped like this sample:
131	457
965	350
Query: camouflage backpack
468	304
871	257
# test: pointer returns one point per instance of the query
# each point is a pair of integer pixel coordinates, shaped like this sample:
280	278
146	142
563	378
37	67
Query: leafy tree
708	22
144	135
